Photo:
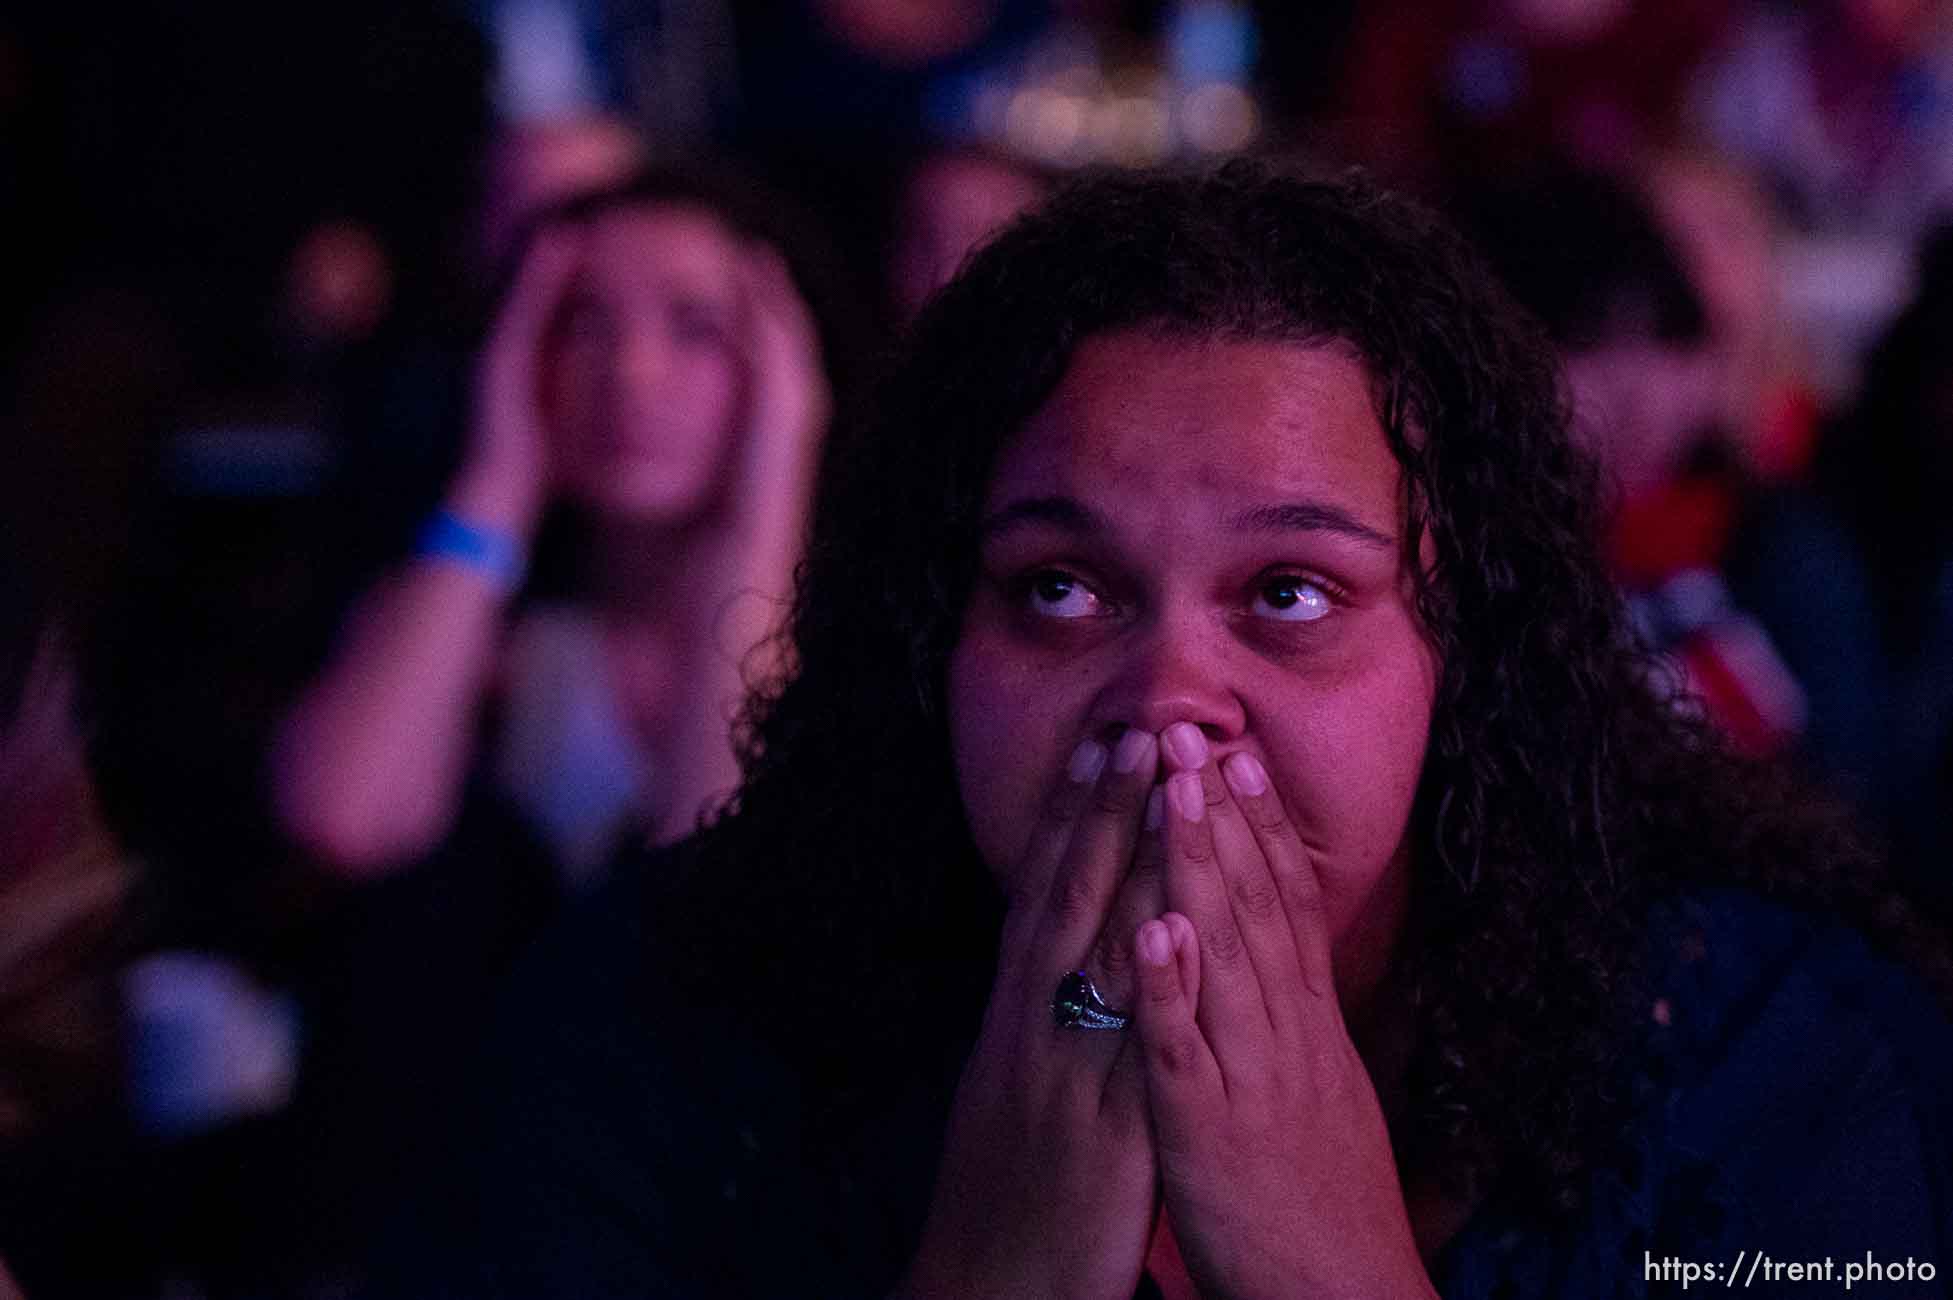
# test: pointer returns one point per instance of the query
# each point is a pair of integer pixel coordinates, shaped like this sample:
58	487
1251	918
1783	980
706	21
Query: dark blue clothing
1799	1106
1797	1100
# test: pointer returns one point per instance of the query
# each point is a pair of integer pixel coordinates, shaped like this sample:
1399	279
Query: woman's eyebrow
1310	516
1070	515
1055	511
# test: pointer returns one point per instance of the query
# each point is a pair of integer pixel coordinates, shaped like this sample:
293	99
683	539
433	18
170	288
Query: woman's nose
1175	670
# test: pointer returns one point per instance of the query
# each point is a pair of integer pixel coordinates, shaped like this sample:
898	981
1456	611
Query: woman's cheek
1003	750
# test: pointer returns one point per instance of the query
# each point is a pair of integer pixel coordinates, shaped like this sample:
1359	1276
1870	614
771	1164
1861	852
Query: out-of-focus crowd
410	413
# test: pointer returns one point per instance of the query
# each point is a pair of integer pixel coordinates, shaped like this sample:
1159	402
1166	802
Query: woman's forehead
1208	421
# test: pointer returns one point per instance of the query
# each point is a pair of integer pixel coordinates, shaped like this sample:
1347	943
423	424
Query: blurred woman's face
1205	532
645	374
1640	405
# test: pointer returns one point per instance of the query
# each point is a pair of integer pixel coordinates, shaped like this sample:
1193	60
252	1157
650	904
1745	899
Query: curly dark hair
1566	785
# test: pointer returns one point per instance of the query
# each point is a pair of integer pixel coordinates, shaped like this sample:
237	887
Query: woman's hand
1275	1159
505	476
783	416
785	404
738	565
1047	1185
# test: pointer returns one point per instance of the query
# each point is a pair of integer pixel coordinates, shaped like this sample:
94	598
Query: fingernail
1188	747
1131	749
1087	761
1156	809
1188	796
1155	944
1244	774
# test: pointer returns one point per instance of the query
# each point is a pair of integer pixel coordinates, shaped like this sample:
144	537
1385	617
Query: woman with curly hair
1222	839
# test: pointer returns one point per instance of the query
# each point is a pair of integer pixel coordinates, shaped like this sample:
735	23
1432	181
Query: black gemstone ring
1077	1005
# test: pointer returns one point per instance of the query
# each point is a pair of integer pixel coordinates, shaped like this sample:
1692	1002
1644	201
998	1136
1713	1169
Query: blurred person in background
1586	254
70	1176
1854	578
1844	106
554	669
1724	228
1845	109
654	389
1431	93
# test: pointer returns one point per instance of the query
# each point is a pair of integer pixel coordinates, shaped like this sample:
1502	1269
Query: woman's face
646	374
1205	532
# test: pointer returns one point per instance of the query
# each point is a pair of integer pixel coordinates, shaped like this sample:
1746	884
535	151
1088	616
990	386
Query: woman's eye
1059	595
1292	600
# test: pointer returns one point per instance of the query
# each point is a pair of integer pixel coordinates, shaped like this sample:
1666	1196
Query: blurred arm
368	768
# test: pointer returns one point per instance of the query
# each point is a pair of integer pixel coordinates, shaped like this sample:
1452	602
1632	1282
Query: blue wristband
494	554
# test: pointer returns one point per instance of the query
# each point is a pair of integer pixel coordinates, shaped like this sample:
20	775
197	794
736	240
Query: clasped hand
1236	1103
